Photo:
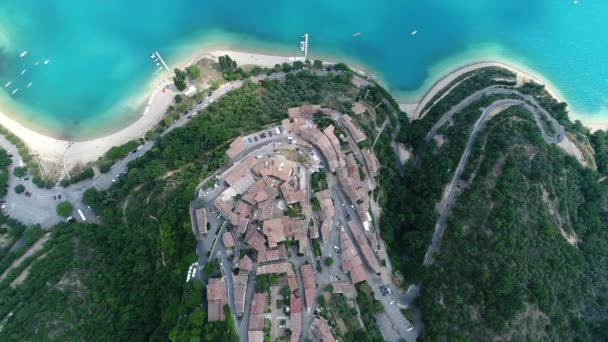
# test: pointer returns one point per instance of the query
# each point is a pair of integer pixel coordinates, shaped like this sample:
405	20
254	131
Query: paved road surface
488	113
40	207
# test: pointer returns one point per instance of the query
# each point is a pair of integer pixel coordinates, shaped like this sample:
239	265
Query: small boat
8	84
414	32
157	63
23	71
575	2
153	56
36	63
14	91
357	34
30	84
302	46
46	62
23	54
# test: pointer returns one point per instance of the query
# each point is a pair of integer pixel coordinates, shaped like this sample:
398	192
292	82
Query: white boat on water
414	32
8	84
23	54
36	63
14	91
23	71
302	46
357	34
153	56
46	62
30	84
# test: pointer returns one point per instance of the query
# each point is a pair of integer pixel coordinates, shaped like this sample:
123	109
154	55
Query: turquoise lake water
98	50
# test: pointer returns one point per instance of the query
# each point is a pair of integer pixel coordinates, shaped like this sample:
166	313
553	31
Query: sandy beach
68	154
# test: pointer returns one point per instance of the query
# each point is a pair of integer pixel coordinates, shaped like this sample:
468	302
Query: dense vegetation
124	279
5	162
506	267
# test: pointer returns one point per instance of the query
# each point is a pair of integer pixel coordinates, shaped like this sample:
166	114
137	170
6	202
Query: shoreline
72	153
458	71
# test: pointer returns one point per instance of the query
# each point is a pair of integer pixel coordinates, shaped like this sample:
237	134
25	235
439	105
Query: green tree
180	84
5	160
178	98
20	171
19	188
317	64
193	72
91	197
65	209
329	261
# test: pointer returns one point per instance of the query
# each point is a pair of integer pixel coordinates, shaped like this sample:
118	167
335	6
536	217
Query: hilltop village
289	222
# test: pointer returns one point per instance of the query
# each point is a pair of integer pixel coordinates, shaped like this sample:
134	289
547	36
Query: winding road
489	112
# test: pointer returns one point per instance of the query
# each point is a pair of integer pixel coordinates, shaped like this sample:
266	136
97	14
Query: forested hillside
124	280
524	255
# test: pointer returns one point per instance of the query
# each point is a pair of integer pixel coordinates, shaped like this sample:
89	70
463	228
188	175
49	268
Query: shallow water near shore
99	61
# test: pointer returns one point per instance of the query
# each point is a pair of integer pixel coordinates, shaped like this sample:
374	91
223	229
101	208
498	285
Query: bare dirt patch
572	238
33	249
21	278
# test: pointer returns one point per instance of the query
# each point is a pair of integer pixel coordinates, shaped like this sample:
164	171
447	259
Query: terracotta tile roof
258	304
365	247
305	111
255	336
277	168
270	209
201	220
243	209
296	327
278	268
371	161
224	207
245	263
335	143
295	304
236	147
348	123
256	322
256	240
240	288
228	240
296	229
216	299
241	226
358	108
323	194
325	229
274	231
310	287
275	254
346	288
320	140
240	178
293	195
351	261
